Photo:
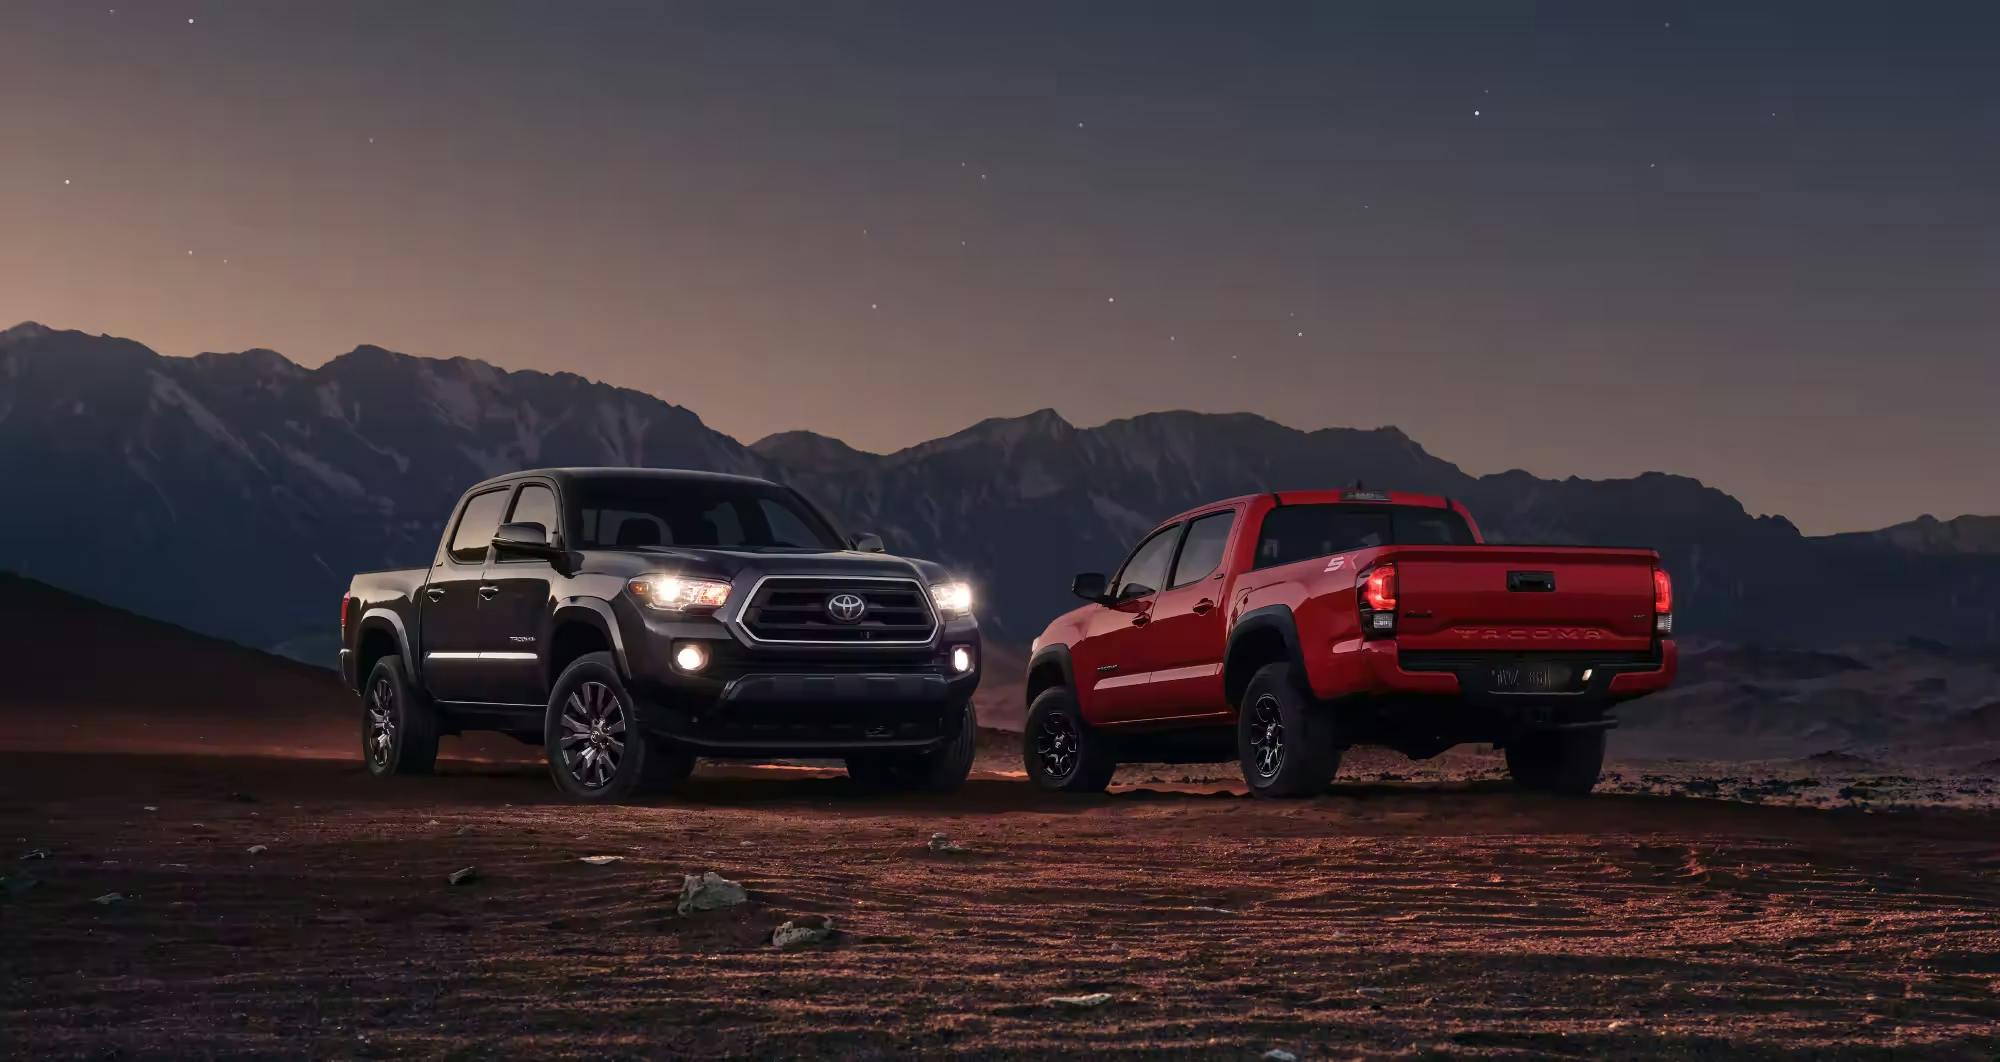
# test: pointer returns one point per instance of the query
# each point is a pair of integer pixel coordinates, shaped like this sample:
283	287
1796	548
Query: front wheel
1564	762
941	770
596	751
1284	741
1061	751
399	730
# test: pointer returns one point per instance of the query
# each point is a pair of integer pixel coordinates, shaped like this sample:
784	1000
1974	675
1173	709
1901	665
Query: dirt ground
1386	918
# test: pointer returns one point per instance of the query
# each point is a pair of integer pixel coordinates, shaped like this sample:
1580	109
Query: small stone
149	807
36	853
1083	1002
464	875
109	898
240	798
16	884
812	929
1279	1054
1616	1025
941	843
257	849
709	891
601	860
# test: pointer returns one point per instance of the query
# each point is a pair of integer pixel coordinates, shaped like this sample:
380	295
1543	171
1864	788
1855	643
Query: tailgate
1534	598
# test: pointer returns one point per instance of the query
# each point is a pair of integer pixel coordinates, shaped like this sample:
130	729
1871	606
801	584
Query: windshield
633	512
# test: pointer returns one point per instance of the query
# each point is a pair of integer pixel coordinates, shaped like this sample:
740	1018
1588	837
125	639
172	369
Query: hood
728	563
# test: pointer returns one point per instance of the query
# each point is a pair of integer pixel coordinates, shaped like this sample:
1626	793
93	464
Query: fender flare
378	618
1056	655
596	613
1258	622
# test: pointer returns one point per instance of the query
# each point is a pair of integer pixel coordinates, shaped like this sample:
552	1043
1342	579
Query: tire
399	728
1284	742
1061	751
1564	762
596	752
941	770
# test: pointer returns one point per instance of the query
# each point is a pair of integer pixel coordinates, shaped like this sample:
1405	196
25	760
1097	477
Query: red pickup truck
1282	628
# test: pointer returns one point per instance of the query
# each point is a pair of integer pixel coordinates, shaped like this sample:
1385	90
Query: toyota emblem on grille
846	608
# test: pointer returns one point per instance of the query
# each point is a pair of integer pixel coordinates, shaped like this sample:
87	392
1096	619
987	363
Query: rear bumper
1380	668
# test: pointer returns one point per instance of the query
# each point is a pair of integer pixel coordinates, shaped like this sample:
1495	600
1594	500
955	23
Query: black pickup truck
631	620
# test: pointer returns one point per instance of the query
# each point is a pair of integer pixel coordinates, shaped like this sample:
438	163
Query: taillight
1663	602
1378	600
346	610
1378	591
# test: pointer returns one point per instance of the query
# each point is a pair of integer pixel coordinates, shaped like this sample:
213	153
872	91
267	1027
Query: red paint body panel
1160	658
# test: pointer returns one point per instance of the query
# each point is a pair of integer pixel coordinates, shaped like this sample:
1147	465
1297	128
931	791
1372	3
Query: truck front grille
794	610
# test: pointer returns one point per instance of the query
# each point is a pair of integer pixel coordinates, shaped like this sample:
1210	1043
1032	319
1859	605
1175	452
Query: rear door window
1201	553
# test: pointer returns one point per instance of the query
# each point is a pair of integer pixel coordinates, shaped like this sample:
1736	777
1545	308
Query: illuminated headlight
961	659
952	598
691	657
672	593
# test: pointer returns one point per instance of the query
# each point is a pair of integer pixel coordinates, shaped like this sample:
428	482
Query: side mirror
525	537
1089	586
869	544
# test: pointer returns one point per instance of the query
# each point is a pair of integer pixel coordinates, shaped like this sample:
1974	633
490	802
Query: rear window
1302	532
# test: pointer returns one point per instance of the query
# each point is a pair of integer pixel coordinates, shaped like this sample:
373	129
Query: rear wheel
1061	751
399	730
596	750
941	770
1284	741
1566	762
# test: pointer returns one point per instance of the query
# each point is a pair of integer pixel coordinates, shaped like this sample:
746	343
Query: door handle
434	593
1202	607
488	593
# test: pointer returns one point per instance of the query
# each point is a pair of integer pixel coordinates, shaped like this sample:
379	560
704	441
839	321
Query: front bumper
804	702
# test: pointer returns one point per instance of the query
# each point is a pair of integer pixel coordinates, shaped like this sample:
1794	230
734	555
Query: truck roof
1348	496
573	473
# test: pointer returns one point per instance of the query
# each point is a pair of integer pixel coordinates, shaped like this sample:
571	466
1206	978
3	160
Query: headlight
951	597
672	593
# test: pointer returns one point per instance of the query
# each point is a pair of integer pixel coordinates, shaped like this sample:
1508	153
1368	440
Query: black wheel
941	770
1566	762
399	730
1285	741
596	751
1061	751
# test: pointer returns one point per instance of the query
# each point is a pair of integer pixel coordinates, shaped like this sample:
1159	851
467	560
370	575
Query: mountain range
235	493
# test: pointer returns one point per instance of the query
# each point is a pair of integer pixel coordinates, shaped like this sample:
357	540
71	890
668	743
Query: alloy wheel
1056	745
593	739
1267	737
381	723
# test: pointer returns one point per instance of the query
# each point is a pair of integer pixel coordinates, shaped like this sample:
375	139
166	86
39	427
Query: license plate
1531	678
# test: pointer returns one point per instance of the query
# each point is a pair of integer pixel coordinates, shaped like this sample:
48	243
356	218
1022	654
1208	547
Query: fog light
961	659
690	657
1382	621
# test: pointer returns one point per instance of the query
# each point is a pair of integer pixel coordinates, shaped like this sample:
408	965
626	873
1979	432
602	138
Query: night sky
1754	243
